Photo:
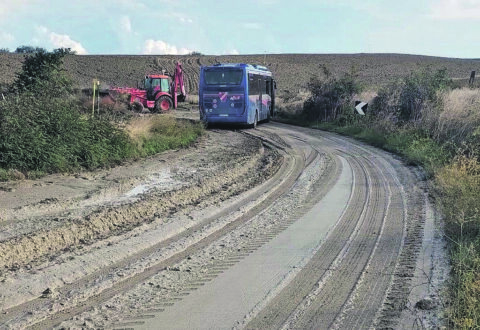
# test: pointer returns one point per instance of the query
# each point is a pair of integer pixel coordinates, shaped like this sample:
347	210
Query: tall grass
458	121
152	135
459	186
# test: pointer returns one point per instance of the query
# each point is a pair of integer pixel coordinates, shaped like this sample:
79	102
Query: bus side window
268	91
252	85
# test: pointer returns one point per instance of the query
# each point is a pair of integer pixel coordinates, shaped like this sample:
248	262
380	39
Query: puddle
163	179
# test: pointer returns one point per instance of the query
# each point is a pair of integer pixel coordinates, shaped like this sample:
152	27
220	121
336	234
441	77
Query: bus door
261	109
269	92
273	88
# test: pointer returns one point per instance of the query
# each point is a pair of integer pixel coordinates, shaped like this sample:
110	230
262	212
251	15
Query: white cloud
456	9
64	41
159	47
59	40
125	24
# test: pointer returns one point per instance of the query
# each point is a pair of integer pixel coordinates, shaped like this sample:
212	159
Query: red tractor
157	92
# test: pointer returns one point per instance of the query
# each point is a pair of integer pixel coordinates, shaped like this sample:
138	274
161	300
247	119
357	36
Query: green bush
405	100
42	72
49	134
330	96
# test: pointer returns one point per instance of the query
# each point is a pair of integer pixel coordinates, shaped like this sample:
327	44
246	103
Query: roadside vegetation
433	123
46	128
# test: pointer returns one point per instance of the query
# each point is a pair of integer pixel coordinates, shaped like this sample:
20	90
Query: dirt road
277	227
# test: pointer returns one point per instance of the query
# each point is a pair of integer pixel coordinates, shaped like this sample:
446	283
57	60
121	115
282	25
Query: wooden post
472	78
93	98
96	84
98	97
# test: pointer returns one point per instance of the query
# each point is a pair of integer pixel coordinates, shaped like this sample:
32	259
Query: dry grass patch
140	127
366	96
153	134
460	117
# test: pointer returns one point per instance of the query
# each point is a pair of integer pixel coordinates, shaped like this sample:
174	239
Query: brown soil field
292	71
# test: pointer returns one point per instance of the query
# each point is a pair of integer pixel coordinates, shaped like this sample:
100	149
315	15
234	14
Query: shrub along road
275	227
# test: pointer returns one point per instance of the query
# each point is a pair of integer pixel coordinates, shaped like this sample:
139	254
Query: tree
329	96
43	70
29	49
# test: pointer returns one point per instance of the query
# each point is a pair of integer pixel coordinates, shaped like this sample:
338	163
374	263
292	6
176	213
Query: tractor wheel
137	106
163	104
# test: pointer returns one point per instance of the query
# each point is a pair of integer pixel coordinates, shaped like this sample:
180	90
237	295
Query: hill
292	71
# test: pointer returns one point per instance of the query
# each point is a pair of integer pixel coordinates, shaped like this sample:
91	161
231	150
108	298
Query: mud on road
175	240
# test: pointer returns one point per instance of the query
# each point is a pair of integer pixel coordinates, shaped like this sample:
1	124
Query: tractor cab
155	83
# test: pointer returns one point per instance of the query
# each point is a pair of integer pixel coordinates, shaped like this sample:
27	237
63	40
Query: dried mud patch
223	165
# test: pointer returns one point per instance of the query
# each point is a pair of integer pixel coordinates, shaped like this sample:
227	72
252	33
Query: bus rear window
223	77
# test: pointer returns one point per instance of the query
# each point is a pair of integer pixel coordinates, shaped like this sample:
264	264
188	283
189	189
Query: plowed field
291	70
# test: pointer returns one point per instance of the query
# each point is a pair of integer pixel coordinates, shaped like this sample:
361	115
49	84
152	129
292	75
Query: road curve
341	259
329	241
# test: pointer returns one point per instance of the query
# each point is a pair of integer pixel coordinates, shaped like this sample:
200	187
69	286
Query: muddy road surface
274	228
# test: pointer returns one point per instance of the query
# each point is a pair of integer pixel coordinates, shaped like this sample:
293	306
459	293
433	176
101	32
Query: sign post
96	83
361	107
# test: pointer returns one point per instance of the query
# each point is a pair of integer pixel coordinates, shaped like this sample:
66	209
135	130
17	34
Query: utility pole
96	83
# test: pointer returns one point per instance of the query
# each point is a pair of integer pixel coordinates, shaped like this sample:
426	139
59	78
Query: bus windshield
223	77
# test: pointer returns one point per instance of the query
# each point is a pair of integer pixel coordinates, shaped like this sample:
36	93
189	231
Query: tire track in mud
290	174
288	180
368	285
103	223
345	272
359	276
252	240
275	315
20	251
392	264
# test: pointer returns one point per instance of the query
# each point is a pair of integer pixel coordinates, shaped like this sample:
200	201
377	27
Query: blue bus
236	94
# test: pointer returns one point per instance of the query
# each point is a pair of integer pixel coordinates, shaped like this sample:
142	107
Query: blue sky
431	27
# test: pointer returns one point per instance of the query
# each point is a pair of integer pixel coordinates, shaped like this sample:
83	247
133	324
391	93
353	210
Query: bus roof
239	65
